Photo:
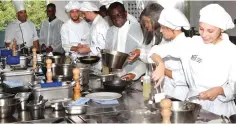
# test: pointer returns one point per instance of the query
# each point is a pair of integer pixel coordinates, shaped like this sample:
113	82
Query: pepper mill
34	59
49	73
77	90
14	46
165	105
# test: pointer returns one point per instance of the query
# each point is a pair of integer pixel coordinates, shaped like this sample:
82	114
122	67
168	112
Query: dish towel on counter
107	102
13	84
80	101
83	100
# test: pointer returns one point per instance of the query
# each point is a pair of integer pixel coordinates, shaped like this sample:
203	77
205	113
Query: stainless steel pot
23	61
95	82
36	109
6	95
7	107
23	97
64	72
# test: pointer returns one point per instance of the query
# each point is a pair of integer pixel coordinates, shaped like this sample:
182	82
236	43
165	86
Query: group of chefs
202	65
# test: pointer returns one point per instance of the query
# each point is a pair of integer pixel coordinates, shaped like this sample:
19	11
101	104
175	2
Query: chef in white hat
22	29
75	31
107	3
209	61
174	83
98	30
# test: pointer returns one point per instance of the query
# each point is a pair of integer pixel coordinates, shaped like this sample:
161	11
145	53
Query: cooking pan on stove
89	59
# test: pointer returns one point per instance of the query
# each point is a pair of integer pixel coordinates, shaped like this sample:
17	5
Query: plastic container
146	87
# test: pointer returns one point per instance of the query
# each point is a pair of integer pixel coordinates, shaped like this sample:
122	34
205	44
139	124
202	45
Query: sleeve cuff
228	94
137	75
94	50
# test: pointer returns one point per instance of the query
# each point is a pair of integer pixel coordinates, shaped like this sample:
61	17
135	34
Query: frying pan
89	59
117	85
233	118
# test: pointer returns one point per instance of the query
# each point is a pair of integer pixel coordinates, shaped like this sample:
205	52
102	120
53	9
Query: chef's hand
133	55
83	50
159	73
211	94
129	76
82	45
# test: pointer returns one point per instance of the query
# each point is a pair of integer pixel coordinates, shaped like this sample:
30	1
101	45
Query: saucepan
89	59
114	83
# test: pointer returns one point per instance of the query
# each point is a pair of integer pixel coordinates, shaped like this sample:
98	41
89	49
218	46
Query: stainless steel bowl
114	59
56	104
74	109
184	113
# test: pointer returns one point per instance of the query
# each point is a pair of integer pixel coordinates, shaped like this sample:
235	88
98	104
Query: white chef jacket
74	33
177	86
50	35
21	31
98	32
131	38
130	18
206	66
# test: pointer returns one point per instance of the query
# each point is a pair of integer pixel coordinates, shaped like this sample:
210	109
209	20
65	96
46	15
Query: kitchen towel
80	101
13	84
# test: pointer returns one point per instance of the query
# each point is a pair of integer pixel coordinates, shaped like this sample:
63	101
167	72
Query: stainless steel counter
131	109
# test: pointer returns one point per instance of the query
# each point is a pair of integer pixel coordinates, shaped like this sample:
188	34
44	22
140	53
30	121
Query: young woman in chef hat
174	84
209	61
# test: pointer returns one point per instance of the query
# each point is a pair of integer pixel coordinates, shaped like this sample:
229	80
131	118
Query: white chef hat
88	6
174	19
216	15
107	3
19	5
73	4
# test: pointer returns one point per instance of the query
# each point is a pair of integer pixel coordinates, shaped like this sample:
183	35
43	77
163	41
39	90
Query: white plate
103	96
216	121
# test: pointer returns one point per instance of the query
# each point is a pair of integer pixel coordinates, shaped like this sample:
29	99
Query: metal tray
51	93
24	76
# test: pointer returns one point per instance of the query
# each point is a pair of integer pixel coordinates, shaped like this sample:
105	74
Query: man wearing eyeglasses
125	36
49	30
